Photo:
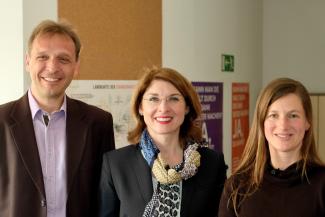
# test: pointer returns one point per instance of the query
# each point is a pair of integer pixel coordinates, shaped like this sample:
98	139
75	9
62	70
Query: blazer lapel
76	139
23	133
143	174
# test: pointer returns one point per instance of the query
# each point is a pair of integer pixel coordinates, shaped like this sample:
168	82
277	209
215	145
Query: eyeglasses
172	100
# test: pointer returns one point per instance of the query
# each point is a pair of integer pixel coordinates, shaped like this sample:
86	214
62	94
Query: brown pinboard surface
119	37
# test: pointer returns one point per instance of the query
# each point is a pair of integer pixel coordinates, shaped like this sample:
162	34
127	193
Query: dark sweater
283	194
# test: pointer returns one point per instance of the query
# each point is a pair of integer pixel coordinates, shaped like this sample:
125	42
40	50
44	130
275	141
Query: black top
283	194
126	184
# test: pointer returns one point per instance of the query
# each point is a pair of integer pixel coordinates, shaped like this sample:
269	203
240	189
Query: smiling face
285	126
163	108
52	65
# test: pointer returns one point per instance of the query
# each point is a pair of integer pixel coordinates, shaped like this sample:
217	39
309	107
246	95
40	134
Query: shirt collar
34	107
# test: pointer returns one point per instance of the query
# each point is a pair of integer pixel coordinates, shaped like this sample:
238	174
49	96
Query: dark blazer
126	184
89	135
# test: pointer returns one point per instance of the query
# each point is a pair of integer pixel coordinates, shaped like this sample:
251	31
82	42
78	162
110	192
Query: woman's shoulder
317	172
210	154
122	152
212	159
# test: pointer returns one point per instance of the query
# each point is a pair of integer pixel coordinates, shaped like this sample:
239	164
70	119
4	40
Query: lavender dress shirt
51	143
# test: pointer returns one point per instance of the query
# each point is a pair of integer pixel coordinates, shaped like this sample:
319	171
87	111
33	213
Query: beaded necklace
172	175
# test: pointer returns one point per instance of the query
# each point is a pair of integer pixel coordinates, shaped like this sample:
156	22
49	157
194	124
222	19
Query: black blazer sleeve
109	202
125	183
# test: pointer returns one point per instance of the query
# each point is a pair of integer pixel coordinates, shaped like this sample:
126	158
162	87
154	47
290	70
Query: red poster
240	120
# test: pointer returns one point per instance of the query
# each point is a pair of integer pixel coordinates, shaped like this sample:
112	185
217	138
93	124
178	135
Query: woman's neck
283	162
170	150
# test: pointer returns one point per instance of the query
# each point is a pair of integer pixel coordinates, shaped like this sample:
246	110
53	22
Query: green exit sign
227	63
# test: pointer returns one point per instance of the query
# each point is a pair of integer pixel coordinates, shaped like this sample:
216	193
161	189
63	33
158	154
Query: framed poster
211	98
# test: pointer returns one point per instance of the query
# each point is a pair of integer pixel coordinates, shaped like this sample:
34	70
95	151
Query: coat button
43	203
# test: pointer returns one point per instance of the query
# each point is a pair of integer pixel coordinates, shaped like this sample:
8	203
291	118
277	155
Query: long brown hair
249	174
190	129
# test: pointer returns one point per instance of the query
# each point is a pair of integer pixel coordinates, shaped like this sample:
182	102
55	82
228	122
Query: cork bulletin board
119	37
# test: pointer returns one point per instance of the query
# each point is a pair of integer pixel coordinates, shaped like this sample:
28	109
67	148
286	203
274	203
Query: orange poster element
240	120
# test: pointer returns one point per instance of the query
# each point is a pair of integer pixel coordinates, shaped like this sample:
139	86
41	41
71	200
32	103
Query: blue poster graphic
211	98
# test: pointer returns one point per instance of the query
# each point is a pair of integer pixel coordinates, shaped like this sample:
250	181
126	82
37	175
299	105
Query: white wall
196	33
11	50
294	41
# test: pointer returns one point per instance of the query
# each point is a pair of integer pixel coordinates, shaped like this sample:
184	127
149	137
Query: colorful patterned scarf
166	198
